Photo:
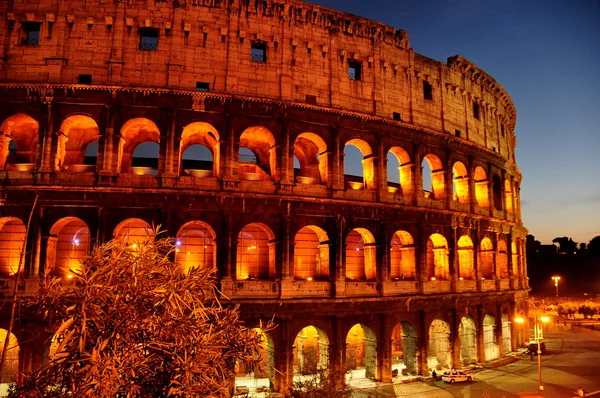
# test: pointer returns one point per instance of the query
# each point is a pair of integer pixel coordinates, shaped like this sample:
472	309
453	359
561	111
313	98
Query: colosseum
363	195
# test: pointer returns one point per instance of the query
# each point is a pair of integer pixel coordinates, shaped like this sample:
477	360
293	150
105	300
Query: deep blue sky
546	54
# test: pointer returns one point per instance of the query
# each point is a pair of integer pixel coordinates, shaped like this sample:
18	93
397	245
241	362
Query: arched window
68	246
361	351
310	153
76	134
360	255
438	267
466	269
259	142
195	246
310	351
497	189
311	254
200	150
18	141
486	258
255	253
10	371
12	239
515	259
460	183
502	260
134	232
145	159
399	171
481	187
433	177
359	170
402	257
139	147
508	196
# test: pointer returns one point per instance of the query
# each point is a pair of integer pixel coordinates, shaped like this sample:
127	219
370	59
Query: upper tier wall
308	52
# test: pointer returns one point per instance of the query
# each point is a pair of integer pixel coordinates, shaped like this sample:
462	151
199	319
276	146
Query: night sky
546	54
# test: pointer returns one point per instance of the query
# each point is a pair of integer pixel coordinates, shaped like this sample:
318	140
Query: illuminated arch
134	133
438	267
460	182
10	371
402	257
12	239
439	345
486	258
68	245
489	338
262	374
195	246
204	134
515	259
497	192
312	155
506	334
508	196
502	260
481	187
437	176
404	348
76	133
255	253
360	255
361	351
311	253
261	143
466	266
467	333
22	130
405	173
368	167
135	232
310	351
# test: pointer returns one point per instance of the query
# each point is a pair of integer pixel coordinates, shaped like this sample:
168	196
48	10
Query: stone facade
288	233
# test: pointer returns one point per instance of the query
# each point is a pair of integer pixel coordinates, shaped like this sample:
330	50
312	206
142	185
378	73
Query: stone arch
508	196
506	334
497	191
134	232
486	258
10	371
255	257
310	351
404	348
439	345
489	338
311	152
368	167
311	253
361	351
481	187
12	239
360	255
466	266
68	246
438	266
502	260
22	130
514	253
195	246
460	183
405	172
436	177
134	133
77	132
260	141
467	334
402	257
262	374
204	135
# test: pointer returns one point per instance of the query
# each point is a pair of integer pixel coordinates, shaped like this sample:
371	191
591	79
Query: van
533	347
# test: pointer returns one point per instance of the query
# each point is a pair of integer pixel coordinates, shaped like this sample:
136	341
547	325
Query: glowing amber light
519	319
433	278
545	319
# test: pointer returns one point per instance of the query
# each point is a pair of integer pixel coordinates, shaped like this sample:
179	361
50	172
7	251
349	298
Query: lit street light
556	279
538	326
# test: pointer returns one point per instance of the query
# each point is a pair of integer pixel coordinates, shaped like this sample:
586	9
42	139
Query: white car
455	376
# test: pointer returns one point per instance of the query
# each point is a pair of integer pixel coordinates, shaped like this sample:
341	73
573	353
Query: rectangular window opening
427	91
32	33
354	70
148	39
502	129
203	86
476	110
311	99
457	133
396	116
84	79
258	52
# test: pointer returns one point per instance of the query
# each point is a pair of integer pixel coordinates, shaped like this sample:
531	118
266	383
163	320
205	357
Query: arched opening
144	161
481	187
502	260
195	246
134	232
360	255
91	154
439	345
358	175
200	150
432	171
515	259
404	348
466	268
508	196
467	333
259	144
12	239
497	190
402	257
506	335
255	253
310	351
489	338
18	140
486	258
261	376
68	245
311	254
361	352
310	159
76	134
460	183
438	267
10	371
399	171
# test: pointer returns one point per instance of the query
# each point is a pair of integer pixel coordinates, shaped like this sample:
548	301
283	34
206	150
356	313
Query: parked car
533	347
456	376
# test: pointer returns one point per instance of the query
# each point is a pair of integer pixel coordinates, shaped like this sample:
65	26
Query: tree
322	383
594	246
566	245
134	324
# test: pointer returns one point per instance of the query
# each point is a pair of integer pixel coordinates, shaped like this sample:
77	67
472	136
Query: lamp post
556	279
538	326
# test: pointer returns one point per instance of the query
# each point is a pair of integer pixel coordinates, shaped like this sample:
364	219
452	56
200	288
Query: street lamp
538	326
556	279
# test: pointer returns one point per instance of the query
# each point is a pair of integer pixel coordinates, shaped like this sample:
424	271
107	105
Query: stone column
423	343
337	167
340	264
455	340
287	155
231	158
384	350
381	168
421	254
479	333
46	159
453	258
499	329
36	246
337	350
171	150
